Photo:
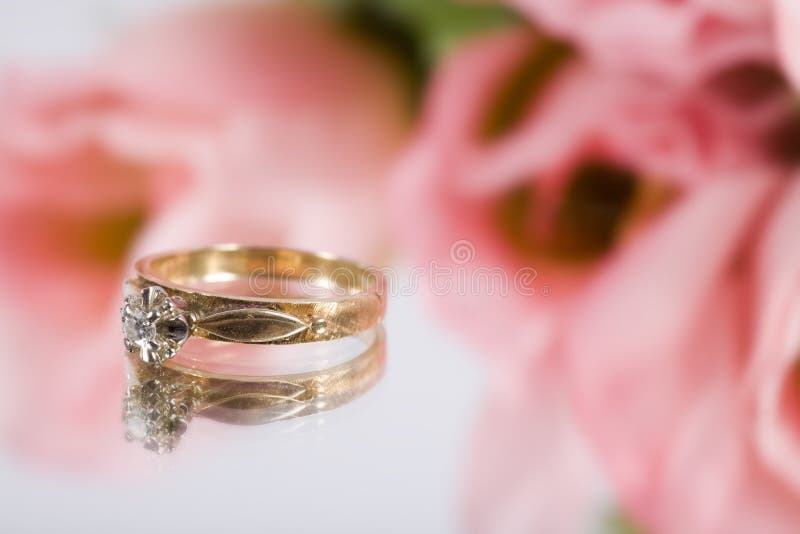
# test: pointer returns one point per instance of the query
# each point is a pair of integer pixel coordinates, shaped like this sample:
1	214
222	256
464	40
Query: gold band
161	400
279	296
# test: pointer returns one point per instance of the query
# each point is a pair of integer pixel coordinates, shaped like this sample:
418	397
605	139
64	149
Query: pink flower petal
787	22
677	41
649	333
774	367
530	469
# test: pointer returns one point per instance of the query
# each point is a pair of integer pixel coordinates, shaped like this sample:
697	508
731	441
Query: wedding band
160	401
240	294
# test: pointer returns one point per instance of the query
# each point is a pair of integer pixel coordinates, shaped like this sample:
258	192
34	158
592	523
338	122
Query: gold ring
242	294
161	400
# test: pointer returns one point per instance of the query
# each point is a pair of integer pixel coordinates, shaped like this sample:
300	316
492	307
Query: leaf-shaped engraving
260	402
257	394
256	415
251	325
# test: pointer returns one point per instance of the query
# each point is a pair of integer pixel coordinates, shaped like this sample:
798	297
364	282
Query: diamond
138	329
153	325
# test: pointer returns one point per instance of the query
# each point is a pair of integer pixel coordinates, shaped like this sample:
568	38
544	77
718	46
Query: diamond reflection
160	401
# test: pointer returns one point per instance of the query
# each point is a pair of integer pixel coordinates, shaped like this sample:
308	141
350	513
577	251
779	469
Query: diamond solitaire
153	325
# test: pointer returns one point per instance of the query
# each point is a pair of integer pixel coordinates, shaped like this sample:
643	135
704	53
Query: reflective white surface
390	461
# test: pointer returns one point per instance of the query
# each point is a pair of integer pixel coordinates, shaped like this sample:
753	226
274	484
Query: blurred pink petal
451	215
682	135
283	71
530	469
787	23
647	393
253	192
680	41
659	282
644	355
309	119
73	200
774	367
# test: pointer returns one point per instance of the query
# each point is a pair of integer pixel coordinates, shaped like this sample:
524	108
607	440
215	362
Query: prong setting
153	325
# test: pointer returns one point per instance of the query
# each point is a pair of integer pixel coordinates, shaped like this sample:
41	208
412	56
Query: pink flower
632	208
679	40
263	125
574	139
787	23
659	350
773	369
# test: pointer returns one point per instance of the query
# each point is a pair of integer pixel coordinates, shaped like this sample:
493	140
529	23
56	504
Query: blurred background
587	211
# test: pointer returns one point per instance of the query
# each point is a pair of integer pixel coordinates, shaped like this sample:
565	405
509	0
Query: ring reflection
160	401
